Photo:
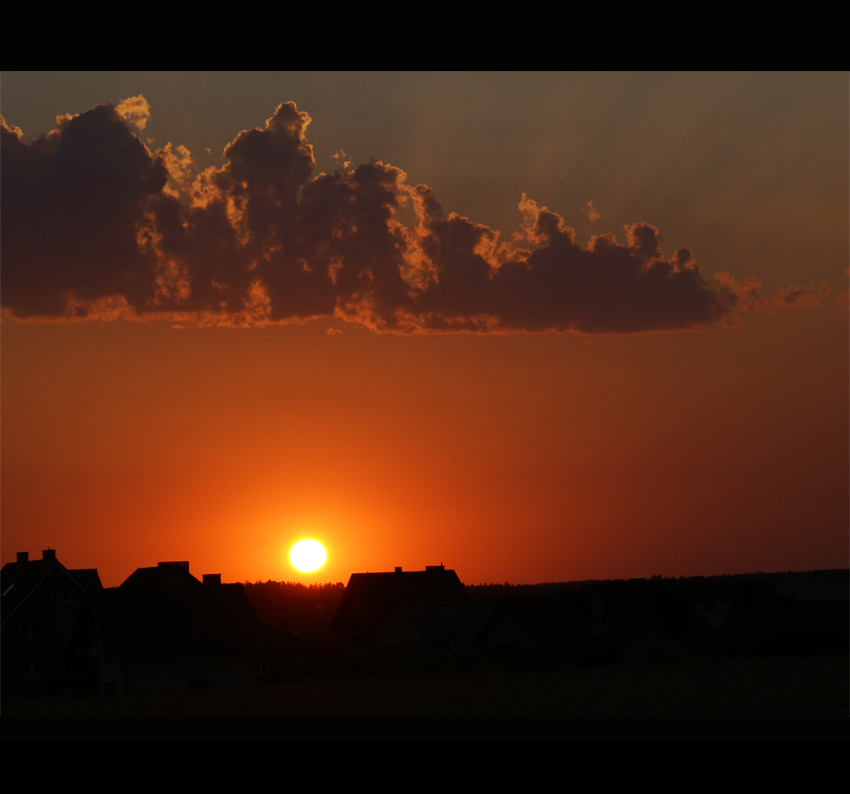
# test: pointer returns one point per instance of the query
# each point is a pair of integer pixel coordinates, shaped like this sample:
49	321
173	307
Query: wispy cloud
592	213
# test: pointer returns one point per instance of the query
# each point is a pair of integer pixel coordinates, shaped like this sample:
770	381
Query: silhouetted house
41	602
164	631
166	574
451	625
624	608
559	622
748	601
398	604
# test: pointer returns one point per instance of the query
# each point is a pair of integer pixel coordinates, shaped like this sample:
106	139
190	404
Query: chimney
23	556
48	554
398	569
212	578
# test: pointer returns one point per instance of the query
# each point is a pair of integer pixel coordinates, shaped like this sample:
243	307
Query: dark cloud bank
96	225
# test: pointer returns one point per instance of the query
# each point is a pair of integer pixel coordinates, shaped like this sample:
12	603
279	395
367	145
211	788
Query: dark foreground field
805	686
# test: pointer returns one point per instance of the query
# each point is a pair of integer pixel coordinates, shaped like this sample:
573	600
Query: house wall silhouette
41	603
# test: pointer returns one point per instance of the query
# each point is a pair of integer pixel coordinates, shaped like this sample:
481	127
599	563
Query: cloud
73	203
96	224
592	213
842	299
748	296
136	110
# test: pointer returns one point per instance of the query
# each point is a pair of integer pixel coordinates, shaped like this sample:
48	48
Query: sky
533	326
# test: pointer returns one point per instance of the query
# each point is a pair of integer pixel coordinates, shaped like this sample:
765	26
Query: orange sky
667	423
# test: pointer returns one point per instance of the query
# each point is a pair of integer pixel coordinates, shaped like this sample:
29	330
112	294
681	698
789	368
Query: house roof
368	595
87	578
165	574
19	580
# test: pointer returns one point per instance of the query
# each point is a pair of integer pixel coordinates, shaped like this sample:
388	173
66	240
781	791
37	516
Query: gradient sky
534	326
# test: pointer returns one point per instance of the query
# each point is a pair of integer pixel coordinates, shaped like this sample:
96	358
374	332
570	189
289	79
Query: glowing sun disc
308	556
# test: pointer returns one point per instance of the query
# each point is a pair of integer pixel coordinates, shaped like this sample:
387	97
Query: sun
308	556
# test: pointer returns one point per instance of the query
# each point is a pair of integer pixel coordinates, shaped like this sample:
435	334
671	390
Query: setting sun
569	366
308	556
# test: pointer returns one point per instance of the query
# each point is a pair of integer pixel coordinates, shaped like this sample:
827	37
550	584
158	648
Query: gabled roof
165	574
87	578
368	595
19	580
